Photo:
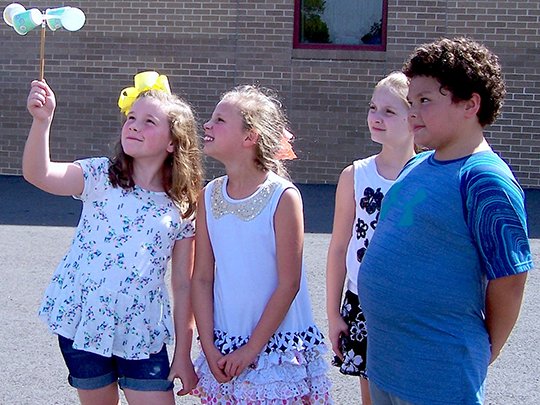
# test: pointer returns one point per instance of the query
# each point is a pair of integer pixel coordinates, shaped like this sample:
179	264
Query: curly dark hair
463	67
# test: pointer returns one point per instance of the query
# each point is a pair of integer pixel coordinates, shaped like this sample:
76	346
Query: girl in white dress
108	301
250	297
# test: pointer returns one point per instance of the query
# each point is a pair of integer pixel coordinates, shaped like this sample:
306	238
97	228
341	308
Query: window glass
340	24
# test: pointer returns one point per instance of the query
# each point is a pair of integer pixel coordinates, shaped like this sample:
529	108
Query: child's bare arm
335	267
203	279
503	303
203	293
38	169
184	324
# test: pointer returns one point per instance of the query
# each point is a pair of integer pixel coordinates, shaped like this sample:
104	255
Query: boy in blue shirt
442	282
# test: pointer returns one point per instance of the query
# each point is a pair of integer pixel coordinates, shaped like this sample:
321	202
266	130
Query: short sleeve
95	174
494	206
187	228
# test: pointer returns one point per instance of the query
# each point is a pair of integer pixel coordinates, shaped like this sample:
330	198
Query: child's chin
378	138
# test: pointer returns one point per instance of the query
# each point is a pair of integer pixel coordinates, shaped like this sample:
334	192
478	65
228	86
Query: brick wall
207	47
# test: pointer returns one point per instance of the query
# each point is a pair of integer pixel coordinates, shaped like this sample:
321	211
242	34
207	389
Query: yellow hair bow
143	81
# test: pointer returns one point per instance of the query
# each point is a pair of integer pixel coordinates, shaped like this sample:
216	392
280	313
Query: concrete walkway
36	230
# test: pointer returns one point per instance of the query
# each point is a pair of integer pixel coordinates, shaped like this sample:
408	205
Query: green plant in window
313	6
374	35
314	29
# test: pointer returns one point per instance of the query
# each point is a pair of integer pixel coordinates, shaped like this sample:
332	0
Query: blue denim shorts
90	371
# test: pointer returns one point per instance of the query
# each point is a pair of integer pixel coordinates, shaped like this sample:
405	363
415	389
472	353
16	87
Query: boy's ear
472	105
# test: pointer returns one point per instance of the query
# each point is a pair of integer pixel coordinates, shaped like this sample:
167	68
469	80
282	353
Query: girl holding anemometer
108	302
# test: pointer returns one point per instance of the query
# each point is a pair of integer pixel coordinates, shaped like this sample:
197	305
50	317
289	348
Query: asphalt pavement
36	230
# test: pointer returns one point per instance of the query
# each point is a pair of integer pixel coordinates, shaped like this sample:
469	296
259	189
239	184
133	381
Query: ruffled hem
309	399
278	378
108	322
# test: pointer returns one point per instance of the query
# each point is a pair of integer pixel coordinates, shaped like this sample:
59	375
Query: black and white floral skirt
353	346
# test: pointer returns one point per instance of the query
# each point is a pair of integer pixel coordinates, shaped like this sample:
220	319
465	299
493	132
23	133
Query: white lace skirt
292	377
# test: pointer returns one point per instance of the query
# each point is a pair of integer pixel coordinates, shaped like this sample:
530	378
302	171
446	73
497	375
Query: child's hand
234	363
336	328
41	101
213	360
185	371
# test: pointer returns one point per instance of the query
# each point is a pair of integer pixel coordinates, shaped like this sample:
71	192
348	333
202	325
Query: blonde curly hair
263	113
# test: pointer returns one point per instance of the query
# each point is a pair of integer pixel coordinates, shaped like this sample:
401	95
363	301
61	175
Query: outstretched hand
41	101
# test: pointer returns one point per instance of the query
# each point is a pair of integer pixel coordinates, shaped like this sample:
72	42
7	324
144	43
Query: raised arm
336	262
52	177
203	292
184	324
289	234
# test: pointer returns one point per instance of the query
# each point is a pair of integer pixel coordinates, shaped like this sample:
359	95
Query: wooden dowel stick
42	53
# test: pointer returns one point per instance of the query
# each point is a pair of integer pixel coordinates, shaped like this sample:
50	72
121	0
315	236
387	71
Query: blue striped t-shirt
445	229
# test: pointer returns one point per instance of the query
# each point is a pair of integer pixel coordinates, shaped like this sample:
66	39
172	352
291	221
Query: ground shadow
532	203
23	204
318	206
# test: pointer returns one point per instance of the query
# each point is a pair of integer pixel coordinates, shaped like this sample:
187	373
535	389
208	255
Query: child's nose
376	117
206	125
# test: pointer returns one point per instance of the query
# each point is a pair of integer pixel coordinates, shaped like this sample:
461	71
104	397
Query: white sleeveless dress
291	368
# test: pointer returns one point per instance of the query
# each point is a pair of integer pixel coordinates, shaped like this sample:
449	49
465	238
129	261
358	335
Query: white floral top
108	294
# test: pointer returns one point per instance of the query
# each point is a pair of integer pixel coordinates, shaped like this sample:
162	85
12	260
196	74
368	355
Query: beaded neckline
245	209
